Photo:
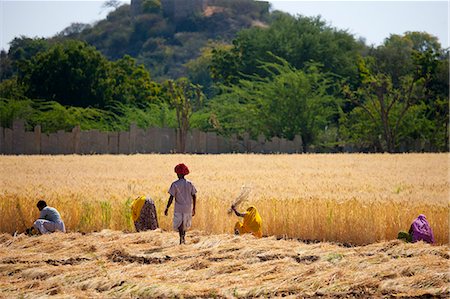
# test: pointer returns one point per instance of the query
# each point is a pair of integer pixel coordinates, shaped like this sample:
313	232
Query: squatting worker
252	222
184	193
420	230
49	220
143	213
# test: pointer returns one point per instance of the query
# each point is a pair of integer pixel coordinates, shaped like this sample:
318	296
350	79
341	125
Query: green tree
74	29
198	71
434	67
52	116
404	85
114	4
299	40
6	68
385	107
185	97
225	65
71	73
151	6
132	84
11	110
21	50
11	89
395	57
285	103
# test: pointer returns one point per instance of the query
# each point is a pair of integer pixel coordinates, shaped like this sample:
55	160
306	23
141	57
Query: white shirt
183	191
50	214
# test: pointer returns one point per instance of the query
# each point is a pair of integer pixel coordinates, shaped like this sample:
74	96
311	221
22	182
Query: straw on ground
151	264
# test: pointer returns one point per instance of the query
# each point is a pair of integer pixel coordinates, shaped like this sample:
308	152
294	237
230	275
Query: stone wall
135	7
181	9
18	141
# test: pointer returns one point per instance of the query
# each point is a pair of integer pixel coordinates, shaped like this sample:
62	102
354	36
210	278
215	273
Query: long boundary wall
18	141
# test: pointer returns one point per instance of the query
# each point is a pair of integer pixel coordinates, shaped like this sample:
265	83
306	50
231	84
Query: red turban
181	169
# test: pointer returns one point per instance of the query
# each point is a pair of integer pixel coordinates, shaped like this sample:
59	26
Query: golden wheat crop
356	198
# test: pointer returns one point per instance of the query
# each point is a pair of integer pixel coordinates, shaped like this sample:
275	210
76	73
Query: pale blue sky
372	20
376	20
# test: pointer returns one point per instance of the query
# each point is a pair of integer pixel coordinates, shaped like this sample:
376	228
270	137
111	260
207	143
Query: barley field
348	198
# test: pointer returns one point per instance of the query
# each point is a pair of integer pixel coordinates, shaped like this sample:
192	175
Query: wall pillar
2	141
18	140
133	134
37	139
298	144
76	140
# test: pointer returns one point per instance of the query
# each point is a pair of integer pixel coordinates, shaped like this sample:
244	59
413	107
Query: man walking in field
49	220
184	193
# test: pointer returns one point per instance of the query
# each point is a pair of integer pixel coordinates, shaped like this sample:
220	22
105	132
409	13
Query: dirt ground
113	264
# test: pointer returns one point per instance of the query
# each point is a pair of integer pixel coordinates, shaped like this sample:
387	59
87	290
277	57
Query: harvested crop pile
151	264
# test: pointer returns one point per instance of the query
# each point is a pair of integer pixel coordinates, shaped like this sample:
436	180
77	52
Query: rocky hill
164	35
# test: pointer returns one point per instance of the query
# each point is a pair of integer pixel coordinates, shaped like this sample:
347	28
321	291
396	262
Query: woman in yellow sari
143	213
252	222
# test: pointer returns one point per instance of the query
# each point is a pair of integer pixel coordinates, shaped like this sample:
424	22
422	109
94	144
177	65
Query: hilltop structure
136	7
173	8
181	9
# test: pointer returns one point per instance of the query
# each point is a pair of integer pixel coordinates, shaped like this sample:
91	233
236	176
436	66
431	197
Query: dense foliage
401	103
231	72
298	40
164	39
286	103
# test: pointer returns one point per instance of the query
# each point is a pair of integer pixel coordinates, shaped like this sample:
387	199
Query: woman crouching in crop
252	222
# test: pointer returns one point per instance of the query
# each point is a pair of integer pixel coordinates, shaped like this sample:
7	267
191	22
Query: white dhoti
184	219
46	227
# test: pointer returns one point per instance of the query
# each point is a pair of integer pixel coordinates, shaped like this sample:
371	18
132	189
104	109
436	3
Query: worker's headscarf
136	207
181	169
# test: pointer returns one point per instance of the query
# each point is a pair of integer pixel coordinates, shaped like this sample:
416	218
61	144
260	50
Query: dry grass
353	198
112	264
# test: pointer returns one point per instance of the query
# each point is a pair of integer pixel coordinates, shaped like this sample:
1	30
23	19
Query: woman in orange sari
252	222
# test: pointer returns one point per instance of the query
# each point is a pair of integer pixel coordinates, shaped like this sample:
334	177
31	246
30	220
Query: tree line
295	76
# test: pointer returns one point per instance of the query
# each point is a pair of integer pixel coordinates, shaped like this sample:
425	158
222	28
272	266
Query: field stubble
350	198
113	264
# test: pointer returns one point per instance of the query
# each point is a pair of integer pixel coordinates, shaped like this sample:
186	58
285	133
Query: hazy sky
376	20
372	20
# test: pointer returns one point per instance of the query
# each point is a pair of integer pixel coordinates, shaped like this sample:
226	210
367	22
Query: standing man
184	193
49	220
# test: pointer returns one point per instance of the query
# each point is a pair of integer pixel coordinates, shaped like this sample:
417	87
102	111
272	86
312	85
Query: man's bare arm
194	199
166	212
